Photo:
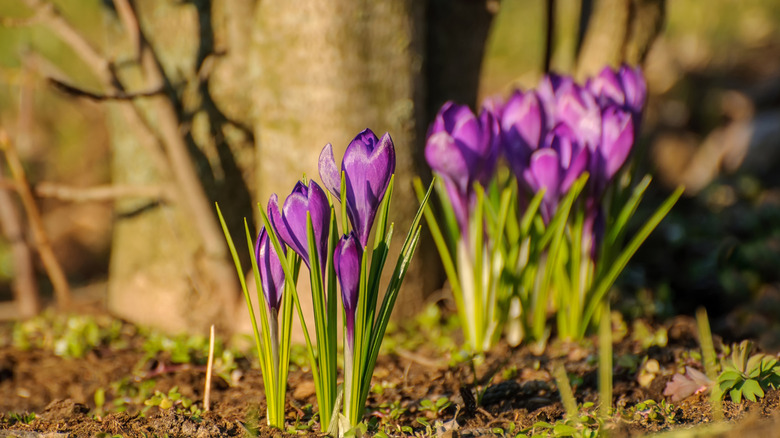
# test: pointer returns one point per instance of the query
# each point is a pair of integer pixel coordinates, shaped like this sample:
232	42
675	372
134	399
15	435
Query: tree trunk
169	264
328	70
617	31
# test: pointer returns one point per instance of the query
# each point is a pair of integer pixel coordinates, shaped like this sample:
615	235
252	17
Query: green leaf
561	429
751	389
736	395
605	282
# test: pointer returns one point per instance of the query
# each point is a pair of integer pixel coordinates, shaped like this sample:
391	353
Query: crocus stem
273	325
466	273
349	361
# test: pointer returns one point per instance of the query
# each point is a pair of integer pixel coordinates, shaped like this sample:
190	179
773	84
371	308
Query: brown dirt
514	386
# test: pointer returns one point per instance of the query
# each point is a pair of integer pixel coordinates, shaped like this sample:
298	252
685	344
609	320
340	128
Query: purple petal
484	167
329	171
319	208
291	223
494	104
617	139
573	157
271	271
463	125
446	158
577	108
607	87
634	87
548	92
368	166
346	260
347	263
544	171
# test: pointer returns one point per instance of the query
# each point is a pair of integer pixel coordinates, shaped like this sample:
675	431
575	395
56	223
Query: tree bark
169	265
617	31
328	70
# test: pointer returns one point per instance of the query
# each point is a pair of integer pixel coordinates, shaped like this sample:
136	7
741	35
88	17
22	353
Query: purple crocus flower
624	88
290	222
347	260
523	126
368	165
556	166
463	150
271	271
617	139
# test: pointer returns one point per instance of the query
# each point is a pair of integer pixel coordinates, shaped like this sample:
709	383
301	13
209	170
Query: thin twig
24	286
209	367
101	193
119	95
51	17
124	11
50	263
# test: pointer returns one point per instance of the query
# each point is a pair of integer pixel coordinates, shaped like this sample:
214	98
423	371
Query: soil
512	385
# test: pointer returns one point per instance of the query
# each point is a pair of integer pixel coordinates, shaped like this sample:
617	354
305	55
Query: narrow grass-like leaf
617	228
554	235
441	245
608	279
326	397
477	238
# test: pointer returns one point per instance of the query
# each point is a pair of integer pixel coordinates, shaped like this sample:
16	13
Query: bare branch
51	17
119	95
24	286
50	263
130	22
101	193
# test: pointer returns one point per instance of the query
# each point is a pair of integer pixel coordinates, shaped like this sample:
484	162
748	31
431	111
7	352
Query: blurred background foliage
712	123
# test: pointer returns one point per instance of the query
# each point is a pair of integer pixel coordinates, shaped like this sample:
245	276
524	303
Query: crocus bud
347	261
635	89
616	140
462	149
290	222
625	88
271	272
523	127
368	165
555	167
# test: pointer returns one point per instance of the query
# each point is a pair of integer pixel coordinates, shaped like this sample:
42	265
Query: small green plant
587	424
24	418
650	411
71	336
746	375
435	407
173	399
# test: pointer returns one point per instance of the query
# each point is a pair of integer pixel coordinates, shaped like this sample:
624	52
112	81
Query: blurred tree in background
216	100
163	107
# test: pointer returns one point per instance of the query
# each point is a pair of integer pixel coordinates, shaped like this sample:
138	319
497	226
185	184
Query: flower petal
617	139
347	263
271	271
329	171
368	165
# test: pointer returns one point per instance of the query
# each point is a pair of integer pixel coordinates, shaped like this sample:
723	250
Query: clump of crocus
462	150
306	223
364	184
274	295
565	143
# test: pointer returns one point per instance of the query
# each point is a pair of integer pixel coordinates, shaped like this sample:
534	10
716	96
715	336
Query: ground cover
96	376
